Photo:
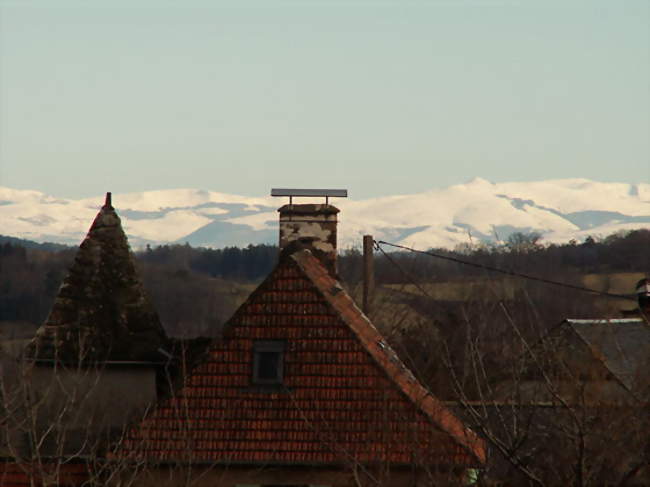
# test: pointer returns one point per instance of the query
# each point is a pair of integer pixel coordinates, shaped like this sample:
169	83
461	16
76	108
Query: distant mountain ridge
560	210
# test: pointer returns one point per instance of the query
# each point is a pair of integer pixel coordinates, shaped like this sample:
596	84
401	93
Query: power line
402	270
501	271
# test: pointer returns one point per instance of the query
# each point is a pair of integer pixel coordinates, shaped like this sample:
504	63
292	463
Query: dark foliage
620	252
29	281
247	264
29	244
174	274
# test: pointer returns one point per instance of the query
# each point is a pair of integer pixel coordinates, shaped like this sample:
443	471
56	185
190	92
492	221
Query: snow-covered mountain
476	211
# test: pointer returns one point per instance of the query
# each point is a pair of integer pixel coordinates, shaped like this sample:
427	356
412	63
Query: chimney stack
314	227
310	226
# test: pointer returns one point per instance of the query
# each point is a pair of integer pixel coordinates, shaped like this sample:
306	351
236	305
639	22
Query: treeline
619	252
30	244
523	252
175	274
29	280
248	264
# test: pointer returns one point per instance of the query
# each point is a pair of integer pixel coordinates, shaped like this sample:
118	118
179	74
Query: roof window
268	361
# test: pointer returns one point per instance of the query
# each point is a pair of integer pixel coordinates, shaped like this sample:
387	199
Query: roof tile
345	393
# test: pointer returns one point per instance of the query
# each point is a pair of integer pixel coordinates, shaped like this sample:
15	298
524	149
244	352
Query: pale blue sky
379	97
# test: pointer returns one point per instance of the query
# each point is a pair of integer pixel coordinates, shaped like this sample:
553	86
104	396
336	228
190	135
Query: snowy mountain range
479	210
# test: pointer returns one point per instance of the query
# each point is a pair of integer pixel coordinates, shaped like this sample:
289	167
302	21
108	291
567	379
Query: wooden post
368	272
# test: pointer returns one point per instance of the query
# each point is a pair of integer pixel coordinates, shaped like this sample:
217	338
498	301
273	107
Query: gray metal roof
623	345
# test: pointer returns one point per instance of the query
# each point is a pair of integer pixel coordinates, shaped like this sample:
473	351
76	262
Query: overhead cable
501	271
402	270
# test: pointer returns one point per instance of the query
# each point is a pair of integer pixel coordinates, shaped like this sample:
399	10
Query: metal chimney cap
328	193
310	193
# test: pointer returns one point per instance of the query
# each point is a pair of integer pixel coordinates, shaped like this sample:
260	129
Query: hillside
196	289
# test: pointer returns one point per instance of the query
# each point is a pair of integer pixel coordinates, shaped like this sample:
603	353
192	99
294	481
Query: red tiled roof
346	397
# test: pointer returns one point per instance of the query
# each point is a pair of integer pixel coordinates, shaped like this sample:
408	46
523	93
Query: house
619	350
101	312
574	408
94	365
607	358
301	390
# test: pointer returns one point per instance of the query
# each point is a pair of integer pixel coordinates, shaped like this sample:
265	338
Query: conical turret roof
101	311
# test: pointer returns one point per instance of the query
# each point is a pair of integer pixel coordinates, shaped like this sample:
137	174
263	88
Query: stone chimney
310	226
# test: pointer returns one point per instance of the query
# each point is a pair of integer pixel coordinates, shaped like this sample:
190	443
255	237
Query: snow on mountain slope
475	211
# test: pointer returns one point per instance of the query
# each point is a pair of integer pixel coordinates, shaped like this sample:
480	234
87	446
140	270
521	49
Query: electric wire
402	270
379	243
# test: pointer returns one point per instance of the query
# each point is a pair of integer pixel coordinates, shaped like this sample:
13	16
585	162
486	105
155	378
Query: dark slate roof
101	311
345	397
622	345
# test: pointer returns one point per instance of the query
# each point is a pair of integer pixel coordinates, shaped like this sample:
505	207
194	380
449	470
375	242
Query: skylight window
268	362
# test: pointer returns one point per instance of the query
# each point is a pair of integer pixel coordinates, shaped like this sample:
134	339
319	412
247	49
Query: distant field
506	287
391	311
617	283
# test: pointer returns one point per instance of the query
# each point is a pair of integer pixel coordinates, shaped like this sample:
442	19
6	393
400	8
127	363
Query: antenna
310	193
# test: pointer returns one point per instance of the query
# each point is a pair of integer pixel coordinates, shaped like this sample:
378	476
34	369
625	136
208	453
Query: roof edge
386	358
594	352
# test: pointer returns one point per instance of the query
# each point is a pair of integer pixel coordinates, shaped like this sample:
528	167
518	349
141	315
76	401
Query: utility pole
368	273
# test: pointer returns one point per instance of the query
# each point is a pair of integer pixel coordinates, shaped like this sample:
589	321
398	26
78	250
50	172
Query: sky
379	97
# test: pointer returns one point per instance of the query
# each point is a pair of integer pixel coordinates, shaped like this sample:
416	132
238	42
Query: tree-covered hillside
196	289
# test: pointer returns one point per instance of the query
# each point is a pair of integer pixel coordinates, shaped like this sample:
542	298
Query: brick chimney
310	226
